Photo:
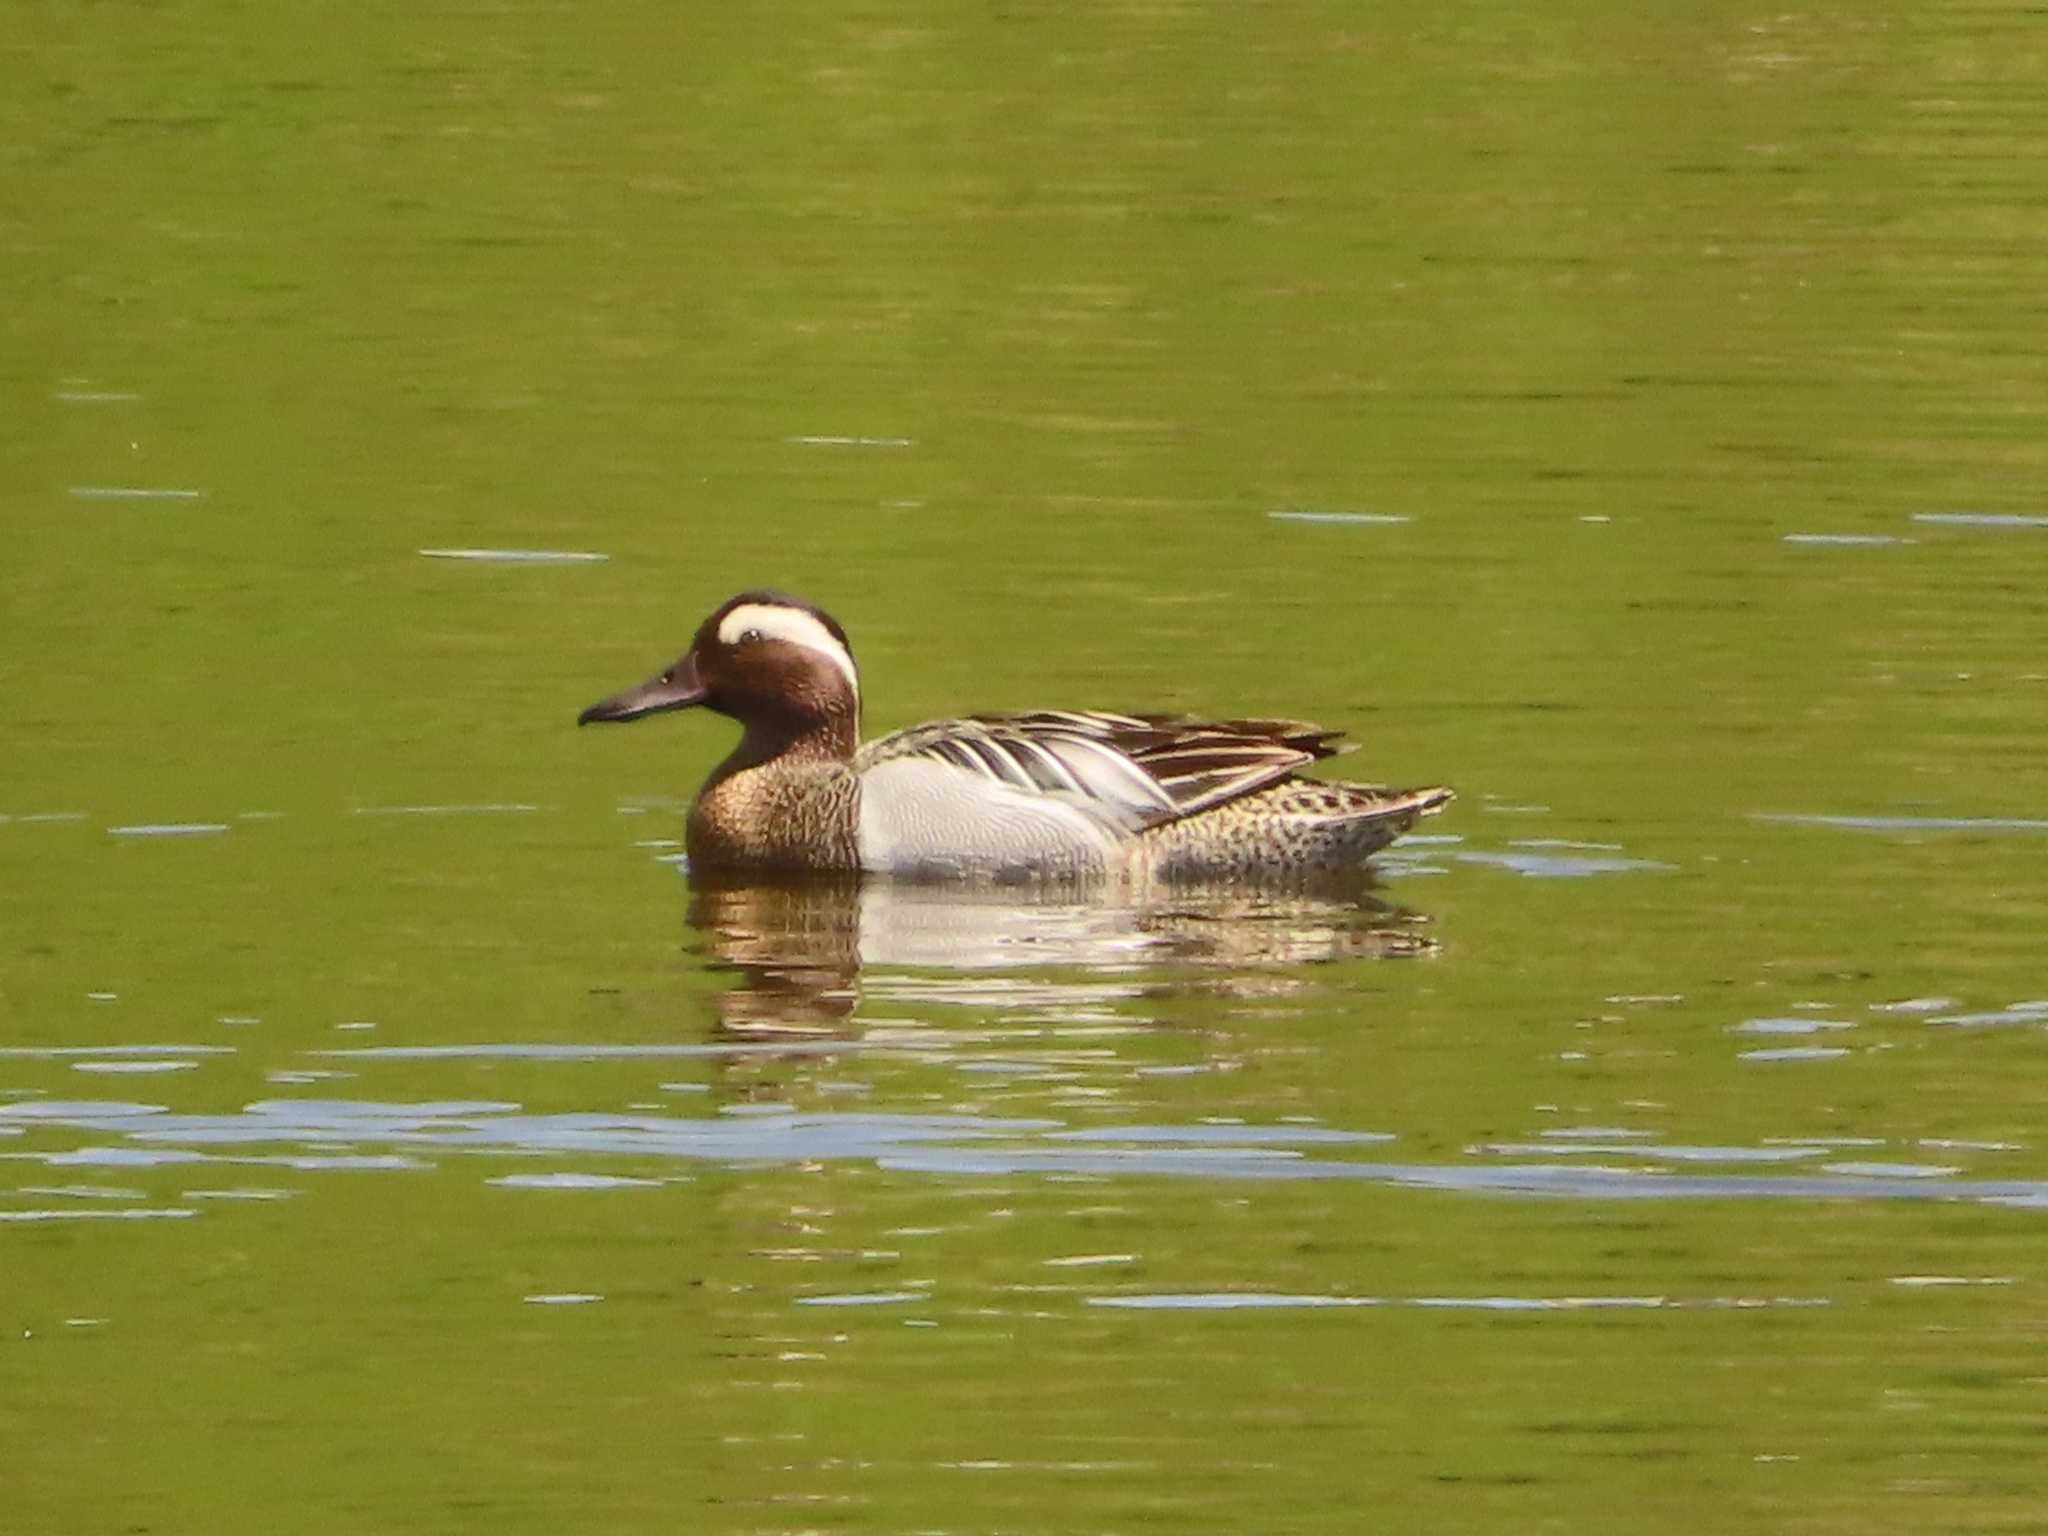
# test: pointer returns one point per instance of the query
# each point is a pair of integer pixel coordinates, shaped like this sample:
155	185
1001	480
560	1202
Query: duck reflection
803	954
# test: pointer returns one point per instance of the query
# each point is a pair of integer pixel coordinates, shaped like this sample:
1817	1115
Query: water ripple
1551	866
520	556
154	1213
1237	1301
962	1145
1982	519
1907	823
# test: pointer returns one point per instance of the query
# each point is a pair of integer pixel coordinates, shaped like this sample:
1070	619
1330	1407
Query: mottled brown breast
777	815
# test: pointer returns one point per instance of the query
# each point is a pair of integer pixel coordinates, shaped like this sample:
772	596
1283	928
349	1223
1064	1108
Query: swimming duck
1059	794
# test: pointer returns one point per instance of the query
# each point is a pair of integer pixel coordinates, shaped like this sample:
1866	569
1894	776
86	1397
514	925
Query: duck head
779	666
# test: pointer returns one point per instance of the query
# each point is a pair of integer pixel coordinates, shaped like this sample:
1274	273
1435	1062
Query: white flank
793	625
919	815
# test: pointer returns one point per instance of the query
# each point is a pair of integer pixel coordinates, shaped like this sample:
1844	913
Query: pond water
1637	422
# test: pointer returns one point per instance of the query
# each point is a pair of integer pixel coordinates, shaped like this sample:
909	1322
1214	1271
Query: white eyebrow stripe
796	627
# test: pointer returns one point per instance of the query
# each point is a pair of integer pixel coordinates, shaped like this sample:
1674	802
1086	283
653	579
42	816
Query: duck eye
748	637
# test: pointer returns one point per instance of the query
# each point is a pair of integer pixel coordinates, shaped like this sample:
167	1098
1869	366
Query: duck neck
830	737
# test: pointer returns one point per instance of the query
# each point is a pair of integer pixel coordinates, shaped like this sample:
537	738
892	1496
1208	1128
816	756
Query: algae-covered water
1638	420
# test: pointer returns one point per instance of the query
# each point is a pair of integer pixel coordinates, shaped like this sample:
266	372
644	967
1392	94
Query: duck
1038	795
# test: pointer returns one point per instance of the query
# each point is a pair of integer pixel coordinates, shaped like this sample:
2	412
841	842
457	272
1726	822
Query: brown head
780	667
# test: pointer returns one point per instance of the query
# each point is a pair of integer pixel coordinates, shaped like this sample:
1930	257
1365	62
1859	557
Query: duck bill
677	688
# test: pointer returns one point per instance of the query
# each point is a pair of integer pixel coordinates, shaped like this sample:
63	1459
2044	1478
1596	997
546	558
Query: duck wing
1134	771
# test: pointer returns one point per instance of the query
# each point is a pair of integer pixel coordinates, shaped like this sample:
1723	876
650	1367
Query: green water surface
1636	418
